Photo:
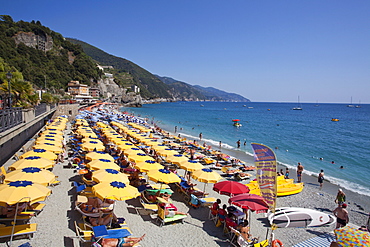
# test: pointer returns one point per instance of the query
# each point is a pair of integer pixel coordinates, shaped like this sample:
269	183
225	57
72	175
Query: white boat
300	217
351	105
299	107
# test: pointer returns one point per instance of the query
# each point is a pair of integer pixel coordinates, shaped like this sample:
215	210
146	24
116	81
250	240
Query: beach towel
323	240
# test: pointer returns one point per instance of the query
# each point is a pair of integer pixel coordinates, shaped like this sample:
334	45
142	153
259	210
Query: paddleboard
299	217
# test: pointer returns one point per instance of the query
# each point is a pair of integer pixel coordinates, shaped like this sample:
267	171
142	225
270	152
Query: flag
265	161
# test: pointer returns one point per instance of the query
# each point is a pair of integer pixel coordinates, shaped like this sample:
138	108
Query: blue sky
263	50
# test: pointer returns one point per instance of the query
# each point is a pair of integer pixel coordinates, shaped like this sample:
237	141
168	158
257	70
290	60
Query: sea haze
307	136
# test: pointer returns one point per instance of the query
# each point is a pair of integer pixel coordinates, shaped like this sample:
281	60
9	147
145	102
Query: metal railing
40	109
10	118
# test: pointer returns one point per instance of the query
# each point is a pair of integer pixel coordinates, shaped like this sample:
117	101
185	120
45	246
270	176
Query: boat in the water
299	107
236	123
299	217
334	119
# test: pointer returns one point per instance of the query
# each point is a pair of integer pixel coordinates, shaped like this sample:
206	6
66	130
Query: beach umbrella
230	188
251	202
177	159
23	191
91	139
92	146
99	155
192	165
58	136
167	152
139	157
115	190
109	175
147	165
32	161
159	147
41	153
102	164
163	176
133	151
350	236
123	145
236	120
206	175
55	127
49	147
34	174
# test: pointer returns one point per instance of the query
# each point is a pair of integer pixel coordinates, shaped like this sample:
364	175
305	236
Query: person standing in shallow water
320	179
238	143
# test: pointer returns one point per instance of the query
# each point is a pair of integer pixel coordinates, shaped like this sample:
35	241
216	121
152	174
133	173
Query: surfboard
299	217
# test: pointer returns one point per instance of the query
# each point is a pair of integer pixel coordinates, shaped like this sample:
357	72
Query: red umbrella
250	201
230	188
235	120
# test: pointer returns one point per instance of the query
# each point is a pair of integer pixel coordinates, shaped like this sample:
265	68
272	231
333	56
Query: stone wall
44	43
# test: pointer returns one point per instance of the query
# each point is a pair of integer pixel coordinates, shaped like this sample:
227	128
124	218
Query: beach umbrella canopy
32	161
123	145
163	176
206	175
177	159
109	175
251	202
139	158
99	155
49	147
115	190
34	174
133	151
55	127
92	146
23	191
236	120
147	165
167	152
102	164
192	165
41	153
230	188
350	236
58	136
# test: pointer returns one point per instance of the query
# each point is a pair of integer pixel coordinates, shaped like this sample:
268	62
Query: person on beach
238	143
175	129
320	179
342	215
119	242
200	136
341	197
299	172
286	173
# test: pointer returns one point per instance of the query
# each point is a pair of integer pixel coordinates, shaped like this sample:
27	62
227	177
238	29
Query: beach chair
36	208
149	207
162	219
2	174
100	232
19	230
213	214
236	239
83	233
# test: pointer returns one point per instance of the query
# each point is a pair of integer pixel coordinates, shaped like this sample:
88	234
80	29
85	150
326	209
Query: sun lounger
163	219
236	239
26	217
26	230
37	208
150	207
84	234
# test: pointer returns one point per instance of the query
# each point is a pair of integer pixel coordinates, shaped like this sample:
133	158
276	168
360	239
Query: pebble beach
56	221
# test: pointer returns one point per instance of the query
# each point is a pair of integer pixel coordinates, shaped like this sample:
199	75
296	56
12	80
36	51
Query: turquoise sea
295	135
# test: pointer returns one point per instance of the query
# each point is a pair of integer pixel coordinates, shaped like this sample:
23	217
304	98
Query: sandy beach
56	222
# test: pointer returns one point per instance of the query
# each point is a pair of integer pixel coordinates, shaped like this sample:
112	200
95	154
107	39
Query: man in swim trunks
119	242
299	172
321	178
342	215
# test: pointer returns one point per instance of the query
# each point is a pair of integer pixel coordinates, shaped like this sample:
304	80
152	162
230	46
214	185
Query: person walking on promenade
342	215
321	178
341	197
299	172
238	143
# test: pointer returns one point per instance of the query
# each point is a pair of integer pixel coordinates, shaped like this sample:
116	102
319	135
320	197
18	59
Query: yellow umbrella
206	175
148	165
58	137
32	161
41	153
167	152
49	147
49	141
91	139
159	147
115	191
191	165
177	159
99	155
23	191
56	127
102	164
163	176
133	151
139	158
125	145
109	175
33	174
52	132
92	146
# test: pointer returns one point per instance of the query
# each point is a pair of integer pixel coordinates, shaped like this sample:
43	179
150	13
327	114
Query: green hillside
53	67
128	72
